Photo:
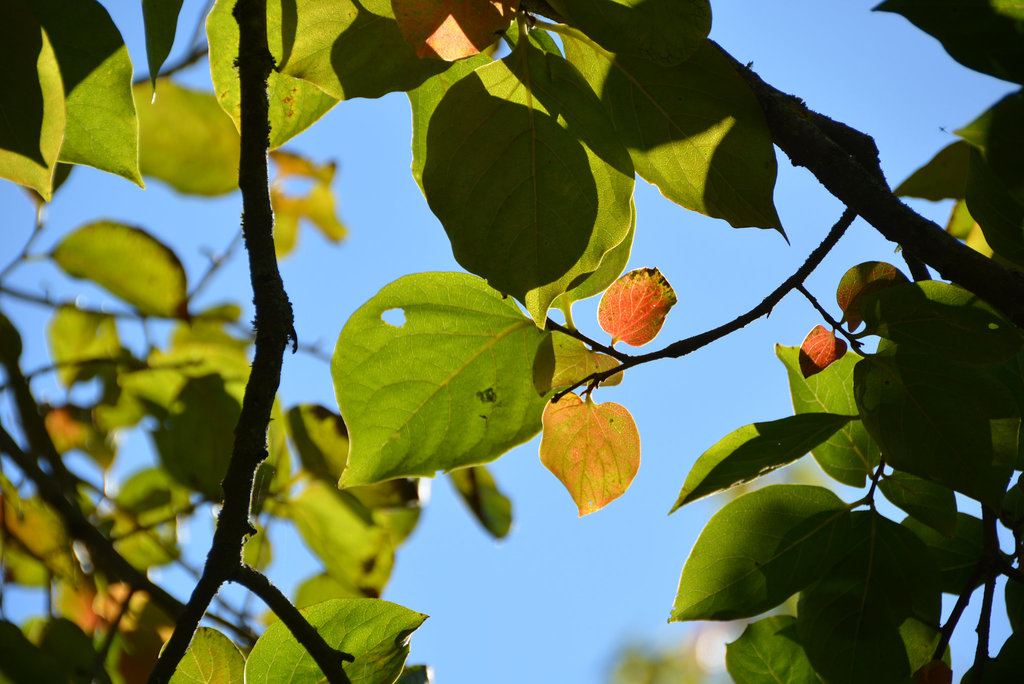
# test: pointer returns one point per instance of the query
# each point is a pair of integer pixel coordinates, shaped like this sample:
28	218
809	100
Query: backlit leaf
871	276
452	29
759	550
634	308
527	177
211	658
72	427
160	19
129	263
563	361
480	493
944	177
997	133
819	350
927	502
78	338
694	130
451	386
756	450
769	651
376	632
321	439
593	449
612	265
317	205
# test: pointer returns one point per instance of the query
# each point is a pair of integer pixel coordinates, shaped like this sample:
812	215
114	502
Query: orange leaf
871	276
633	309
593	449
452	29
820	349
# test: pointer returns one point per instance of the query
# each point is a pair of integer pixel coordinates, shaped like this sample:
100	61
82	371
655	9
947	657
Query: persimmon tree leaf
944	177
563	361
129	263
320	437
376	632
211	658
756	450
694	129
350	48
78	337
612	265
663	31
999	214
927	502
760	549
32	100
317	205
870	276
527	177
452	29
593	449
160	21
295	104
819	350
769	651
451	386
956	554
634	308
850	454
478	490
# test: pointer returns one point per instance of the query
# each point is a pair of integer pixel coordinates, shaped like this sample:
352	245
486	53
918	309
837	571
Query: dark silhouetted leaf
160	19
955	555
944	177
927	502
1000	215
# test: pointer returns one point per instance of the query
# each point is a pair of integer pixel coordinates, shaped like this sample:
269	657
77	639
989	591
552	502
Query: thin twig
836	325
215	264
45	300
594	344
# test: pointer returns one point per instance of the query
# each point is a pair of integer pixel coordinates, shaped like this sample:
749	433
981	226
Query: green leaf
129	263
452	386
186	141
850	623
944	177
612	265
478	490
759	550
32	100
144	524
694	130
72	427
416	674
356	552
927	502
79	337
932	317
23	661
375	632
769	651
1014	593
102	128
350	48
160	19
295	104
562	361
322	587
663	31
950	423
1000	215
850	454
320	437
527	177
756	450
63	642
959	23
955	555
211	658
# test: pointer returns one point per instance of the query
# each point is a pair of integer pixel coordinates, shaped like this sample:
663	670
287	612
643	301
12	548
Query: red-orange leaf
452	29
820	349
871	276
593	449
633	309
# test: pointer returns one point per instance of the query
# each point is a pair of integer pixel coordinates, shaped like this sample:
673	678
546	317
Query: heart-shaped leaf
820	349
452	29
871	276
633	309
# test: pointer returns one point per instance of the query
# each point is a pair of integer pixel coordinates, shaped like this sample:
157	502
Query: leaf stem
854	341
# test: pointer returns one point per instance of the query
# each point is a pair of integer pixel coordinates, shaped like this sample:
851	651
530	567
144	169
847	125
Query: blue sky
555	600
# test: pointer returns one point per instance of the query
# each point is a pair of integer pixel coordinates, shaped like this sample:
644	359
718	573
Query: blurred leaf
145	524
77	337
755	450
819	350
129	263
211	658
39	531
694	129
23	661
480	493
944	177
72	427
160	19
319	588
449	387
317	205
63	642
861	280
769	651
563	360
452	29
257	551
530	184
927	502
962	226
634	308
850	454
415	674
186	141
376	632
32	99
1000	215
759	550
956	554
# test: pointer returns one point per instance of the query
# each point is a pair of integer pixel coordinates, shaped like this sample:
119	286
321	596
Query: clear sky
556	599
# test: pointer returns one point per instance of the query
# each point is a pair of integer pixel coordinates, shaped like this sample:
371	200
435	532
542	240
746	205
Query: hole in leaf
395	317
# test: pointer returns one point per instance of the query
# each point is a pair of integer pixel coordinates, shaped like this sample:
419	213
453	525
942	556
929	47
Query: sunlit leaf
634	308
317	205
32	99
1000	214
80	339
480	493
819	350
211	658
955	555
944	177
769	651
862	279
612	265
593	449
38	530
185	139
452	29
321	439
850	454
528	181
759	550
962	226
563	361
160	20
927	502
756	450
295	105
376	632
450	386
129	263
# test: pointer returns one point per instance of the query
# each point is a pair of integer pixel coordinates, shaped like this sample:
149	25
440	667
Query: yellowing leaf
593	449
819	350
452	29
317	206
871	276
566	361
633	309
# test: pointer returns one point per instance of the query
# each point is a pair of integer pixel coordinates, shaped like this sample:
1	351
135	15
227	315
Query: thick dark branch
327	658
